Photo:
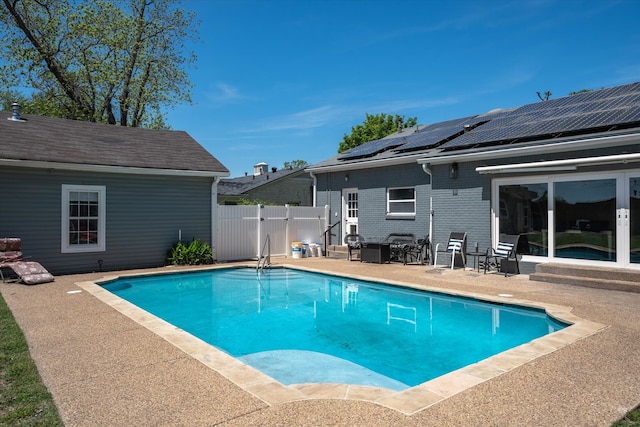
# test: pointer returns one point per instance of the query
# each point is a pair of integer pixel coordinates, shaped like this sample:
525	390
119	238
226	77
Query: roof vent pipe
467	128
16	113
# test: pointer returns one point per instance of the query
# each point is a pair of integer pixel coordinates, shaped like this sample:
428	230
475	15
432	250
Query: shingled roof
54	140
243	184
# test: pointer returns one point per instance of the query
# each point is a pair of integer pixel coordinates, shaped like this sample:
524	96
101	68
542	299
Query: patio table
375	252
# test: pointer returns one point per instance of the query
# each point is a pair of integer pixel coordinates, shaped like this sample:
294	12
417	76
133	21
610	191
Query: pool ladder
264	260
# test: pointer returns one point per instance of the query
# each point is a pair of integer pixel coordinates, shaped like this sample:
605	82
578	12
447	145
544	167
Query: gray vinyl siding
143	216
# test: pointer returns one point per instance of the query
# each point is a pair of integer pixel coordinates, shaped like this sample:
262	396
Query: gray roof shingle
46	139
239	186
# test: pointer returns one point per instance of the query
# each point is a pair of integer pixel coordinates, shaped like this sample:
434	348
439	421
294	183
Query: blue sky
282	80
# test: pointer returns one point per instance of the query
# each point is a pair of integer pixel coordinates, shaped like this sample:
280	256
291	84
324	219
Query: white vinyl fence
241	230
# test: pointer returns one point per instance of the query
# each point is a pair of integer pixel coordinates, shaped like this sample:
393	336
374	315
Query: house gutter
368	164
214	213
425	169
560	165
315	187
109	169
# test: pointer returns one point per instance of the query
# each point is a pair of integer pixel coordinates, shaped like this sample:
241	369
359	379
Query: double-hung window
83	218
401	201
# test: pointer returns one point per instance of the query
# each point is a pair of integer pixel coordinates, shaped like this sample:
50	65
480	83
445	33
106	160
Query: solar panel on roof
372	148
578	113
435	133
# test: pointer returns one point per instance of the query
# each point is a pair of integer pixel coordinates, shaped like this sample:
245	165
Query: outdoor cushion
31	272
10	256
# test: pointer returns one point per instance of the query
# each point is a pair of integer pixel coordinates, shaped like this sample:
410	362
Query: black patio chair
506	250
354	244
419	251
398	242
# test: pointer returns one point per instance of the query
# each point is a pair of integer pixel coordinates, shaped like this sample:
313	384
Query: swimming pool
300	327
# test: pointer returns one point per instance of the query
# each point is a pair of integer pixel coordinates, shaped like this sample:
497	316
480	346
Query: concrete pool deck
108	363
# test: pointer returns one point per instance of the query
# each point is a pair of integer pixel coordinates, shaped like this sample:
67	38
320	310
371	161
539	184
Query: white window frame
100	246
390	202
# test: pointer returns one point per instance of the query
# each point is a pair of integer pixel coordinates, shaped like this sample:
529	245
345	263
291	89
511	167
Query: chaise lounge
27	272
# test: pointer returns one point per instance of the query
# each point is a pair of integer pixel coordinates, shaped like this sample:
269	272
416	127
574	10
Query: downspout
425	169
315	188
214	213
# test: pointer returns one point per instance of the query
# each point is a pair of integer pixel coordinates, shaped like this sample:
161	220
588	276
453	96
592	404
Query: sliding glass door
585	217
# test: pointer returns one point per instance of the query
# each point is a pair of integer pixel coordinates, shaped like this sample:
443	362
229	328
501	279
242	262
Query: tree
110	61
37	103
373	128
294	164
544	96
579	91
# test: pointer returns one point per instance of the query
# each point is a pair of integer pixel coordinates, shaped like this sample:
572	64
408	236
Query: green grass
632	419
24	400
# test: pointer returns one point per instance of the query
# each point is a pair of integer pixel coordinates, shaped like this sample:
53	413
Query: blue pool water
299	326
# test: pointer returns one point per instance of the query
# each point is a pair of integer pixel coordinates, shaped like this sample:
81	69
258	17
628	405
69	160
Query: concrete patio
108	365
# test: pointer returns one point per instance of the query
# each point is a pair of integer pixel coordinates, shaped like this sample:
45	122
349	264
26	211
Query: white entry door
349	211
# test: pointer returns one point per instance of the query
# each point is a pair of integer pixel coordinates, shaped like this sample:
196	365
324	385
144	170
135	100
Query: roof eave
111	169
366	164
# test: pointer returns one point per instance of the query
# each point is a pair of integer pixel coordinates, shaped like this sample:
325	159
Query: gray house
88	197
292	187
564	174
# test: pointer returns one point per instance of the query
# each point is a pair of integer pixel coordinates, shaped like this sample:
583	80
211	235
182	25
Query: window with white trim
401	201
83	218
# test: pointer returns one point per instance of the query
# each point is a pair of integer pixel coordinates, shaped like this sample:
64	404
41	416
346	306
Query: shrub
195	253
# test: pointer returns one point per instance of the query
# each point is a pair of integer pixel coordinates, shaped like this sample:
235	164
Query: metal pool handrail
267	258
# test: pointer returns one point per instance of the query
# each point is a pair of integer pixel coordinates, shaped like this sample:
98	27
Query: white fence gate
242	230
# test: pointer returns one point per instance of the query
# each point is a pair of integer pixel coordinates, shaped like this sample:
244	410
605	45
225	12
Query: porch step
591	277
337	251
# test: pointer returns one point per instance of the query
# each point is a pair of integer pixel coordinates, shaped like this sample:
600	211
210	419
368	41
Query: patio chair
419	251
505	251
354	244
28	272
456	246
398	242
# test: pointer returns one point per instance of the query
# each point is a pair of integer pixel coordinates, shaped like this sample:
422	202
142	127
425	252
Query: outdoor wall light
346	177
453	171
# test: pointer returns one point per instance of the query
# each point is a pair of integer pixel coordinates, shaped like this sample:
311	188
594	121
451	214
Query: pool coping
408	402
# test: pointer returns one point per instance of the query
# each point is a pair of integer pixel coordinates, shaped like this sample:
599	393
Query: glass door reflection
585	219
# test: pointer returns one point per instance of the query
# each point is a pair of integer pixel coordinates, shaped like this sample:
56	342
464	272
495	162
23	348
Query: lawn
24	400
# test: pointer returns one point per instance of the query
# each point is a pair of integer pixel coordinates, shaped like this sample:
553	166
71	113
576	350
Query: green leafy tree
579	91
109	61
252	202
37	103
373	128
294	164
